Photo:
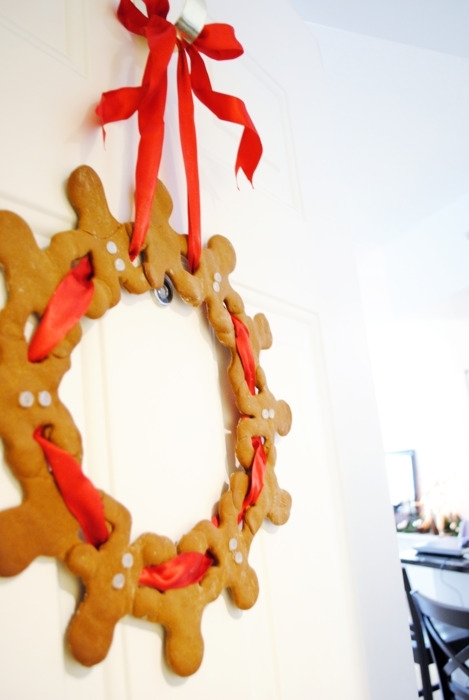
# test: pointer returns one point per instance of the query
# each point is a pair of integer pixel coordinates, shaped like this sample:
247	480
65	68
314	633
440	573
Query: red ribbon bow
216	41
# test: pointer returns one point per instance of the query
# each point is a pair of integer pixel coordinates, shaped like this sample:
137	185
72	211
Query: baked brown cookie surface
41	440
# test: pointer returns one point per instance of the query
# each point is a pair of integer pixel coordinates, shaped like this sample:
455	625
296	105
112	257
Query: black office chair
420	646
447	629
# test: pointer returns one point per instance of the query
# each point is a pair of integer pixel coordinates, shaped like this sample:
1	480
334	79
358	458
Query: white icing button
118	581
217	277
265	413
127	560
111	247
233	543
26	399
119	264
271	413
238	557
216	286
44	398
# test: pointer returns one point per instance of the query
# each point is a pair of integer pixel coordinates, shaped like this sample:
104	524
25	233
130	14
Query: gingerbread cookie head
63	514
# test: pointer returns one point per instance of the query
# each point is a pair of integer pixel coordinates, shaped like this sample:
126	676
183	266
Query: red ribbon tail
67	305
189	150
79	495
183	570
119	104
150	148
230	109
249	152
146	180
134	20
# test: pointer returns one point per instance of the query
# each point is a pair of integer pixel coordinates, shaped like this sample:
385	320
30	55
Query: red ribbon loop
217	41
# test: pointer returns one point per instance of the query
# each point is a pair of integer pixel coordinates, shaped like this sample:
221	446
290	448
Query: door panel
55	27
148	387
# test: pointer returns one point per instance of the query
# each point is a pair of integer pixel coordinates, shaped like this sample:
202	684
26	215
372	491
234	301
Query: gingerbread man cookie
62	514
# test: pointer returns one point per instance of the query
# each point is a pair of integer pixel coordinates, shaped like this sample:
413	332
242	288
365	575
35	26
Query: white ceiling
437	25
398	78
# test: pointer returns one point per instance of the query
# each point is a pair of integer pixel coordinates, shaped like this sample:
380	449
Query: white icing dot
44	398
118	581
111	247
233	543
127	560
265	413
216	286
217	277
26	399
271	413
238	557
119	264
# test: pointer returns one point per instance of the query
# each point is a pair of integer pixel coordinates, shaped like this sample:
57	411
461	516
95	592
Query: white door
147	386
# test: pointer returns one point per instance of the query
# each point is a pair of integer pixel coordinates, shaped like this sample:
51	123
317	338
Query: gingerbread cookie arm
165	252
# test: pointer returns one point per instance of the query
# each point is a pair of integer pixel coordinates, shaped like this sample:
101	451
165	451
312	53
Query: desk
411	557
440	578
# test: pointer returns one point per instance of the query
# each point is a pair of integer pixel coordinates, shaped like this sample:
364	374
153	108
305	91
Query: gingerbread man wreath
62	514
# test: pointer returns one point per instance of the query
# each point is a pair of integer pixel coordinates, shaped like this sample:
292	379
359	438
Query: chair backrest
420	647
447	628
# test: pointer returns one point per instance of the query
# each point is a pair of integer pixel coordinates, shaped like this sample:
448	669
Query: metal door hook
192	19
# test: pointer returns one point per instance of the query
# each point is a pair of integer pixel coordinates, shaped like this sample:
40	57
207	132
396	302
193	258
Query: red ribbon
84	503
259	462
78	492
217	41
243	346
258	468
183	570
67	305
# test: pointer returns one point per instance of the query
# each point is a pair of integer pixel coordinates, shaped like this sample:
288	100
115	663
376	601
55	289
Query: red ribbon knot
217	41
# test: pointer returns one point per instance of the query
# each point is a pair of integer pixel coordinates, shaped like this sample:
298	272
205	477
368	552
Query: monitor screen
400	467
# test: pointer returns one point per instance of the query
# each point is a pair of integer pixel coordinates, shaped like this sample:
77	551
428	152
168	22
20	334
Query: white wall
415	292
419	370
399	106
